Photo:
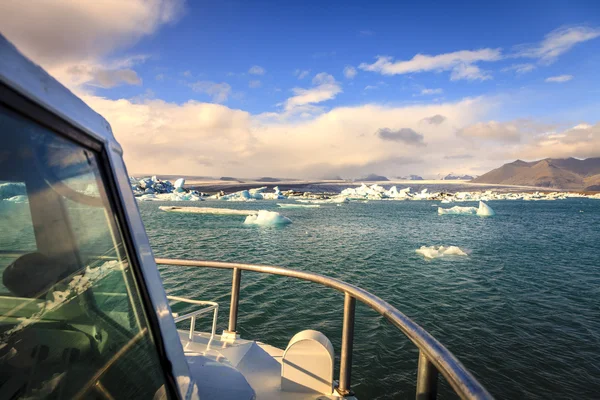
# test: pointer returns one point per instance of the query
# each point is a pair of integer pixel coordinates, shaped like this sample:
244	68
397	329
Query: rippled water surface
521	311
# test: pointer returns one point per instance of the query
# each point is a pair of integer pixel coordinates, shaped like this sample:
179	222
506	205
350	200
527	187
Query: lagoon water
521	311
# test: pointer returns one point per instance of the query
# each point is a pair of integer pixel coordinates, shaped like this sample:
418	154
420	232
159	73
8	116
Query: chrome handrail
433	356
192	316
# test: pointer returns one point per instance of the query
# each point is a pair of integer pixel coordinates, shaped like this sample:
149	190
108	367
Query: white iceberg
267	218
432	252
207	210
484	210
179	185
457	210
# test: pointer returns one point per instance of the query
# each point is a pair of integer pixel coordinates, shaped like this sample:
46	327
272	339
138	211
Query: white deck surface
258	363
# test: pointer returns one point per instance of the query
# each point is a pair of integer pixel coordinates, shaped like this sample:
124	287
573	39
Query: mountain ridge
557	173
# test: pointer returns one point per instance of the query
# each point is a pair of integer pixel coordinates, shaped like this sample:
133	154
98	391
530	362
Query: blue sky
510	79
214	40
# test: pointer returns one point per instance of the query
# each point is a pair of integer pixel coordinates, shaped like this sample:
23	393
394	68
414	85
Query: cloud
515	131
187	74
459	62
218	91
519	68
431	91
492	130
459	157
559	78
325	88
349	72
69	31
256	70
405	135
434	119
196	138
254	84
557	42
581	141
301	74
71	39
160	77
469	72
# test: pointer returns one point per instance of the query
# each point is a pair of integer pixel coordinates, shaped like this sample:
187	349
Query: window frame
17	103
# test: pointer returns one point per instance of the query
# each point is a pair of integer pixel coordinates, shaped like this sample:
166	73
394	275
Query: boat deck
257	363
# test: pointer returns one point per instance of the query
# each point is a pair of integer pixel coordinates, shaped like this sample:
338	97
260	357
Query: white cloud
559	78
212	139
218	91
431	91
53	32
256	70
325	88
301	74
350	72
580	141
461	63
520	68
556	43
254	84
187	74
71	39
160	77
469	72
492	130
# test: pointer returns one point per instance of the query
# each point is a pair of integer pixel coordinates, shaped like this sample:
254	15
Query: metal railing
433	356
192	316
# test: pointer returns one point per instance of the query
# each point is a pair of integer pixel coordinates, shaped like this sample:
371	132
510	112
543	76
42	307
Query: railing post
347	343
192	327
235	299
427	377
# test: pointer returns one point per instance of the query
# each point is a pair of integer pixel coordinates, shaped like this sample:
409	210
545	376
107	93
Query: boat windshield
72	324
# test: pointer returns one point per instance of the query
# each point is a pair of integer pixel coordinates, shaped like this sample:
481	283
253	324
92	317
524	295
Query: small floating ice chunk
457	210
267	218
284	205
440	251
484	210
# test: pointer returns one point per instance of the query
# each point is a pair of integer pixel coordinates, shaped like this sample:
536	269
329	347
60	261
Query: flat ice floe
267	218
284	205
457	210
207	210
483	210
440	251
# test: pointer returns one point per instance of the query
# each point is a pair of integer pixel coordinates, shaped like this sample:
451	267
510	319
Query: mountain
410	178
372	178
560	173
452	177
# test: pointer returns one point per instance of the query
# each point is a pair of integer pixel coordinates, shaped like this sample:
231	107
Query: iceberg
207	210
179	185
267	218
432	252
484	210
457	210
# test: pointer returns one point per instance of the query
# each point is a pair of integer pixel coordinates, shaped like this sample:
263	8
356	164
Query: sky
318	89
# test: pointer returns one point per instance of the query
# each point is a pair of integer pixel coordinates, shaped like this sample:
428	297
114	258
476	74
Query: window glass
71	318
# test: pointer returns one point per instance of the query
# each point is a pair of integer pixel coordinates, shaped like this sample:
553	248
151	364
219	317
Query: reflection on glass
71	319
